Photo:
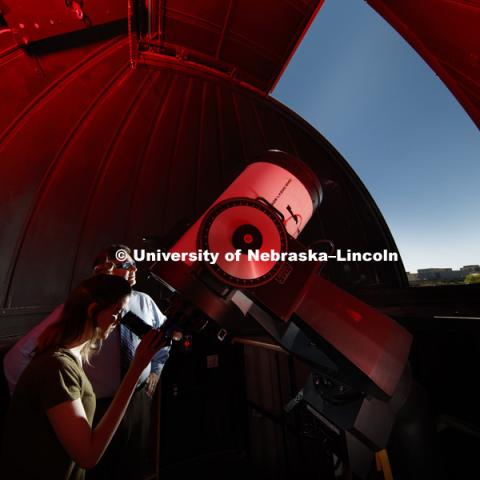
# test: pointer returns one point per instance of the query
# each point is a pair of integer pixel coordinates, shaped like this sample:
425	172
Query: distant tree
472	278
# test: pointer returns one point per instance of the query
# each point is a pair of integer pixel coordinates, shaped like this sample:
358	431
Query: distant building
470	269
445	273
440	274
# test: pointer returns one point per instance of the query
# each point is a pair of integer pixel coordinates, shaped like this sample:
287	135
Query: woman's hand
151	343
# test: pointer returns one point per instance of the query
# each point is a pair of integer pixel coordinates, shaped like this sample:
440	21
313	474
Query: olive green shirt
31	448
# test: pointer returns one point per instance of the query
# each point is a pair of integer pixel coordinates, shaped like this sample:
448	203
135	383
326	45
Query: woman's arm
84	445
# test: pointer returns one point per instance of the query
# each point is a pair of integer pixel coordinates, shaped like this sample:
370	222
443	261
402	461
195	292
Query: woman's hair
75	319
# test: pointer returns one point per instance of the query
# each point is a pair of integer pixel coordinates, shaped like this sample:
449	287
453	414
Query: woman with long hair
49	431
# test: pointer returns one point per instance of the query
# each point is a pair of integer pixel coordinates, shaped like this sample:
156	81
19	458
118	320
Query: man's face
126	269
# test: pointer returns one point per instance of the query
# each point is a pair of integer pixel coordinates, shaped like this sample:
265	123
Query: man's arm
162	355
19	356
160	358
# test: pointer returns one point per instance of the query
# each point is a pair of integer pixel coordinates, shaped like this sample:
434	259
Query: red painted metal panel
373	342
31	20
250	40
446	34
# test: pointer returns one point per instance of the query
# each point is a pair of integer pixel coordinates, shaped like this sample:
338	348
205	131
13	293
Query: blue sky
357	81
